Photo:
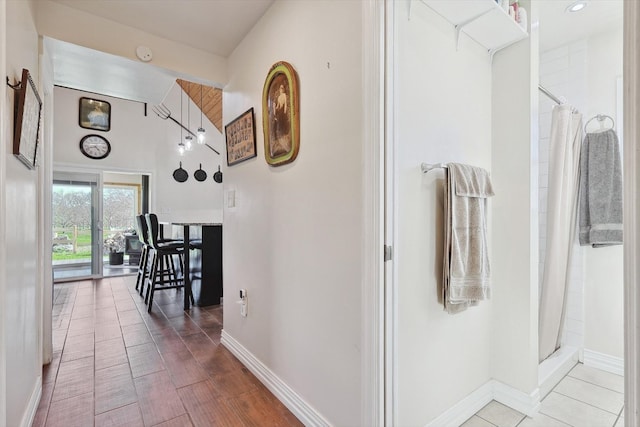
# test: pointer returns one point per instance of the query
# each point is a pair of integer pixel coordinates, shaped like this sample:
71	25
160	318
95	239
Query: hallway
116	365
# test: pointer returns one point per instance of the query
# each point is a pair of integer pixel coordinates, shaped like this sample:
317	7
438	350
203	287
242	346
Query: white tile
620	422
550	55
500	415
553	66
476	422
575	413
592	394
541	420
572	339
596	376
575	326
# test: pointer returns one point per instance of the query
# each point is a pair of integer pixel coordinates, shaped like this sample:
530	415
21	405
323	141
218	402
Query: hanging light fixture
201	130
181	146
188	140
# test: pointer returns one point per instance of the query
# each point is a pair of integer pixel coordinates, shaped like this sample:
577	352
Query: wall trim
604	362
306	413
528	404
32	407
631	217
372	286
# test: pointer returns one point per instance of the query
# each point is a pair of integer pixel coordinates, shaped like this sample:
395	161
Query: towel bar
428	167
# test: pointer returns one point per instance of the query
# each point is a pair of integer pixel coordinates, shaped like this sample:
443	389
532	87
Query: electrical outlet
244	302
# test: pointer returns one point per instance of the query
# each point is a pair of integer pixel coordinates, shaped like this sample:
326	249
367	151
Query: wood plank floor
116	365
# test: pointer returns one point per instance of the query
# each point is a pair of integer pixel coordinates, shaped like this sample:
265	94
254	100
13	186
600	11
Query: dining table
187	245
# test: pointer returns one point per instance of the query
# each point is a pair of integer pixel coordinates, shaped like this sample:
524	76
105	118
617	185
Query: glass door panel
76	226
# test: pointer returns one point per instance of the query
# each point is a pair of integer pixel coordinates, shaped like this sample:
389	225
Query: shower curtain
562	206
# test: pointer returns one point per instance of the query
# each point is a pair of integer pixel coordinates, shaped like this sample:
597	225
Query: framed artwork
94	114
281	115
241	138
28	110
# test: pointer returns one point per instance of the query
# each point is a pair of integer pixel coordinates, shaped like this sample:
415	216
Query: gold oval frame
281	115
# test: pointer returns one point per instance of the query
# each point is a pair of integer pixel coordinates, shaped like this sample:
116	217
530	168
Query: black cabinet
206	267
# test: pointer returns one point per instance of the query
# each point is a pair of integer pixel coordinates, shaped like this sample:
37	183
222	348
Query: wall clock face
95	147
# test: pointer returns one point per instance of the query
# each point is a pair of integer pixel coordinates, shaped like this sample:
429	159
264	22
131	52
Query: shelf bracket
459	27
495	50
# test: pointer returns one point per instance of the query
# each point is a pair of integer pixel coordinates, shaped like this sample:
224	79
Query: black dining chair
163	274
143	265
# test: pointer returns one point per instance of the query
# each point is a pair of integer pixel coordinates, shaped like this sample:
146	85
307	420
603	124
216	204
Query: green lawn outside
83	245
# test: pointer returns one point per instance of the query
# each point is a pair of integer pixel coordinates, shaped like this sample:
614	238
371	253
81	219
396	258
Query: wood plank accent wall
211	100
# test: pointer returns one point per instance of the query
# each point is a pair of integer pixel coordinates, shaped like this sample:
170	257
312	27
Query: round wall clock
95	147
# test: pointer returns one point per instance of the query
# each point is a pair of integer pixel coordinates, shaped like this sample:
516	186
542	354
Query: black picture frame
94	114
28	111
241	138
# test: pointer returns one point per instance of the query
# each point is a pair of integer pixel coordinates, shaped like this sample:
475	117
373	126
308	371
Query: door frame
373	286
631	82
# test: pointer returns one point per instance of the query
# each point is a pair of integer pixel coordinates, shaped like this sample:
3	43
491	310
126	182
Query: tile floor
117	365
586	397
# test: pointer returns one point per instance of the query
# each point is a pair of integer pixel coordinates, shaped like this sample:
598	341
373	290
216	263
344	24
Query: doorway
93	219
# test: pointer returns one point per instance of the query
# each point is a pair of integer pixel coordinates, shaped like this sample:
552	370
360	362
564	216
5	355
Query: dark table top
197	223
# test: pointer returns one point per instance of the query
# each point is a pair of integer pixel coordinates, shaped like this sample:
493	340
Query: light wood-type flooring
116	365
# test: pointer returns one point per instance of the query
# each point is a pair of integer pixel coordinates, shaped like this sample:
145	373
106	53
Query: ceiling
558	27
218	26
214	26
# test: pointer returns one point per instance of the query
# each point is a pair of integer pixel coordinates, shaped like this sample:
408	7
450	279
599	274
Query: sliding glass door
77	226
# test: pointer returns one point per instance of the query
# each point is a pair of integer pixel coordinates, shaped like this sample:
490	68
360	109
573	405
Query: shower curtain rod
549	94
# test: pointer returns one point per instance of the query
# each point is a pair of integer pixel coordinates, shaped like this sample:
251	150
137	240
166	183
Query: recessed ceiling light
576	6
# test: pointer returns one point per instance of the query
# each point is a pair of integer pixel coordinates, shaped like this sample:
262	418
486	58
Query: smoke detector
144	54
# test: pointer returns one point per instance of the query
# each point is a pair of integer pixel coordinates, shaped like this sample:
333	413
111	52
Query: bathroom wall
584	73
514	340
443	114
603	286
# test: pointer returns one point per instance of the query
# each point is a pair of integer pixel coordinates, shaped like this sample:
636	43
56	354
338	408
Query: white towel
466	260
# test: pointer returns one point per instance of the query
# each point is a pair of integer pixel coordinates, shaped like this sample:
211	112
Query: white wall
19	306
604	266
514	353
294	238
146	144
443	114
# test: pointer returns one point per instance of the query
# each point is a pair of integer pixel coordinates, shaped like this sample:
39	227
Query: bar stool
163	274
143	265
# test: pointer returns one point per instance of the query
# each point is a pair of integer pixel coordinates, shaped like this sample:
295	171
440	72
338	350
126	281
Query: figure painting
280	114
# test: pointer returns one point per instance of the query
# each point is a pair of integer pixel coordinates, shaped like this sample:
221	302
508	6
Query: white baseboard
466	408
553	369
528	404
308	415
605	362
491	390
34	402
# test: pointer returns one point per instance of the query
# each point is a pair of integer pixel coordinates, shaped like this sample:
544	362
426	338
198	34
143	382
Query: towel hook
601	119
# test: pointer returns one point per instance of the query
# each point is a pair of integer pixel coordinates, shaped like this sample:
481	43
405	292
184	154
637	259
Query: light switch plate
231	198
